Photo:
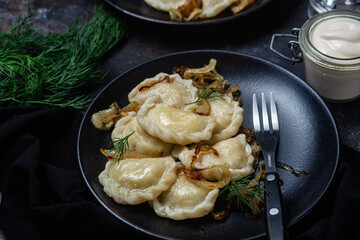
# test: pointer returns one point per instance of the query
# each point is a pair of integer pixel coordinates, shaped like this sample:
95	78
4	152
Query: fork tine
256	115
265	116
274	116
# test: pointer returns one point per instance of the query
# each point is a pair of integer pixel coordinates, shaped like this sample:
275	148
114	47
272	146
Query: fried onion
216	176
107	118
203	108
212	177
207	77
240	5
196	71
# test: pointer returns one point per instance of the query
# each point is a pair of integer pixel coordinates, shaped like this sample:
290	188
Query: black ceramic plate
308	142
140	10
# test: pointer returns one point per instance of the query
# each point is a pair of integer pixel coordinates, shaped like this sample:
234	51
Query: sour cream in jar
337	37
330	43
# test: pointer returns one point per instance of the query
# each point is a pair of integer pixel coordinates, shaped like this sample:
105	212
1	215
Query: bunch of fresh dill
59	69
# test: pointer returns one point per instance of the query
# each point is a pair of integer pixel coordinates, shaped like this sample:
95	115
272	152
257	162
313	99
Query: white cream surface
337	37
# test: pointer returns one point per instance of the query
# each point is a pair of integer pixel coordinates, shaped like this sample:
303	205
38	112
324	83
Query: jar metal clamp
292	44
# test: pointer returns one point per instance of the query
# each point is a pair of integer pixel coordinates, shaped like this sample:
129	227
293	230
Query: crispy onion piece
212	177
187	8
203	108
190	10
148	85
221	85
202	149
233	89
207	77
255	148
175	15
216	176
196	71
217	84
195	14
107	118
291	169
132	107
240	5
209	80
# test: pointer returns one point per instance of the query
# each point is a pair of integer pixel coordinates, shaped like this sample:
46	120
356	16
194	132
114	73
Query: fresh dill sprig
206	93
121	145
241	191
59	69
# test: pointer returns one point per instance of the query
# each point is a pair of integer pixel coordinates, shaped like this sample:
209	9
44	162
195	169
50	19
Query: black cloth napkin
45	197
43	193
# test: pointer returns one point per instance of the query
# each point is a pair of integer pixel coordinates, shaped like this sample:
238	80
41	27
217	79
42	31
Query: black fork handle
275	215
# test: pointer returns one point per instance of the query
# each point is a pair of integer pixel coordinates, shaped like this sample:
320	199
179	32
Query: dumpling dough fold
140	141
233	153
134	181
173	125
172	90
229	117
184	200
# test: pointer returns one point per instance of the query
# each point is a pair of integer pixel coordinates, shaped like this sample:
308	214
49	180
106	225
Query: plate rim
209	51
169	22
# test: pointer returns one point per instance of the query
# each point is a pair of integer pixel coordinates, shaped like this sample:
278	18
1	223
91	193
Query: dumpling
197	8
140	141
165	5
174	125
233	153
184	200
229	117
172	89
211	8
134	181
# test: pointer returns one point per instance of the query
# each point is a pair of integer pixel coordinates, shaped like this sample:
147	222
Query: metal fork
268	136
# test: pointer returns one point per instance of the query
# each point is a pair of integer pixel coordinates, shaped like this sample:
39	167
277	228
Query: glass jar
335	79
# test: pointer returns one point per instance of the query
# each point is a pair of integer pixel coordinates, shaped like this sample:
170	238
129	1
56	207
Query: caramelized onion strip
194	14
240	5
196	71
216	176
107	118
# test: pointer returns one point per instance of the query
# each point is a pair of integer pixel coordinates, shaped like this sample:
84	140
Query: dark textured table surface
145	41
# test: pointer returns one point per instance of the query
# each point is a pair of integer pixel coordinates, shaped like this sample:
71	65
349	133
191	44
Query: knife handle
275	215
